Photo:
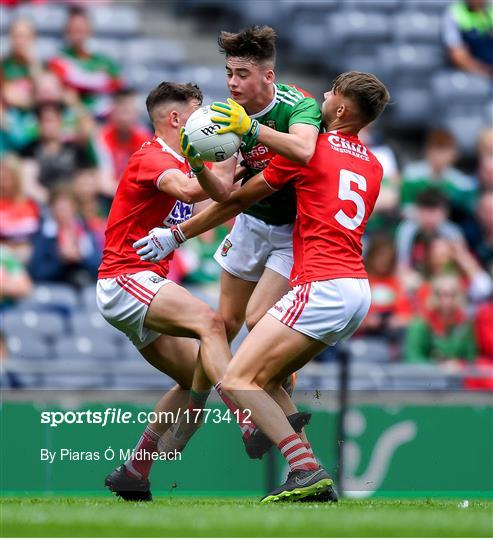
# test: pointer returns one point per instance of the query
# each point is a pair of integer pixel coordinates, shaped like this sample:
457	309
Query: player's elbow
303	154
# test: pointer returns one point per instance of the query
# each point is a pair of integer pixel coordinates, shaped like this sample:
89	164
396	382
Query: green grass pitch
168	516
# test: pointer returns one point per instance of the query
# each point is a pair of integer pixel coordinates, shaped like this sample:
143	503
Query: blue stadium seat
372	5
88	298
5	20
452	86
113	48
417	27
85	347
28	348
411	106
48	18
93	323
47	47
27	324
466	129
411	60
309	40
115	20
433	6
155	52
52	296
369	350
144	77
351	26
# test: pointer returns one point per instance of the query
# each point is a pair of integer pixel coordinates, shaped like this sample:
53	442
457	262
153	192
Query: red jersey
336	192
139	206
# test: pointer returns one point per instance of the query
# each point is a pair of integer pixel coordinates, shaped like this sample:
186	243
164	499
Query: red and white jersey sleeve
336	193
139	206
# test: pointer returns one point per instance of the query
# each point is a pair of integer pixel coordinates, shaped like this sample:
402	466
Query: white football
202	134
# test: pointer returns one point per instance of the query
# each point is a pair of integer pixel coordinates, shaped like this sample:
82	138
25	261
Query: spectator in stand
51	160
443	334
18	71
385	215
483	328
413	235
20	67
390	310
19	215
64	248
91	208
480	235
437	171
122	135
445	257
468	35
15	282
94	76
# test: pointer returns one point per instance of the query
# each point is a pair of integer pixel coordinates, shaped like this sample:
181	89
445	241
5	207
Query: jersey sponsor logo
270	123
179	213
279	308
227	245
259	157
343	146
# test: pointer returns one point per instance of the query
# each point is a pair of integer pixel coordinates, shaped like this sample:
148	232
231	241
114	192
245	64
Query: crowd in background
68	127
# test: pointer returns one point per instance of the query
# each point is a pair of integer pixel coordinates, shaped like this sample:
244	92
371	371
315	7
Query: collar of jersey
268	108
167	148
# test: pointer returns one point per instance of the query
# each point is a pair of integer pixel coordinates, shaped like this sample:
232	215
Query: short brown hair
168	92
440	138
257	43
368	93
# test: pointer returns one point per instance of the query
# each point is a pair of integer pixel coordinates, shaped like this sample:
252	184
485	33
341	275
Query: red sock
246	425
196	405
297	455
140	464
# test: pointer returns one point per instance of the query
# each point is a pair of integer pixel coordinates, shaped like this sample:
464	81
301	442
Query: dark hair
168	92
257	43
126	91
440	138
368	93
432	198
76	11
379	243
49	105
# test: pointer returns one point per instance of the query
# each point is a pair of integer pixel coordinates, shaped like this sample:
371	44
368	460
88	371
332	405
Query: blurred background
75	76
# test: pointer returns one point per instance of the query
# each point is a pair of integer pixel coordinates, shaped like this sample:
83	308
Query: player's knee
213	323
232	326
252	318
184	380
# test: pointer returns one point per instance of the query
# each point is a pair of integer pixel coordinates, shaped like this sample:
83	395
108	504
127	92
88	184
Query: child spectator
437	171
19	215
94	76
122	135
64	248
443	334
52	160
390	310
413	235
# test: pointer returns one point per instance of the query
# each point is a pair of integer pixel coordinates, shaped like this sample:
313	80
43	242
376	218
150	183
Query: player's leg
281	348
233	300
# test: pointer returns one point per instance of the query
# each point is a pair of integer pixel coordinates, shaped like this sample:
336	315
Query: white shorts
328	311
123	301
253	245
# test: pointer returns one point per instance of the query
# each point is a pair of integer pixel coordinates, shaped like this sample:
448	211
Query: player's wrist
178	234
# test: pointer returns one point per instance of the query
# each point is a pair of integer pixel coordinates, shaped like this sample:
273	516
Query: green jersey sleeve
306	111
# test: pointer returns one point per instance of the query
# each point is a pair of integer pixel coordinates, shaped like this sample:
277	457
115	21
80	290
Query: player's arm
297	145
161	242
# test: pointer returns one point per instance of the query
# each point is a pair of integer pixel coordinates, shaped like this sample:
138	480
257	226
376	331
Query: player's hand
192	156
235	119
159	243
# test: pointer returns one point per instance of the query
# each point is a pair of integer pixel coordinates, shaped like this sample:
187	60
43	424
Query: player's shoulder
291	95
